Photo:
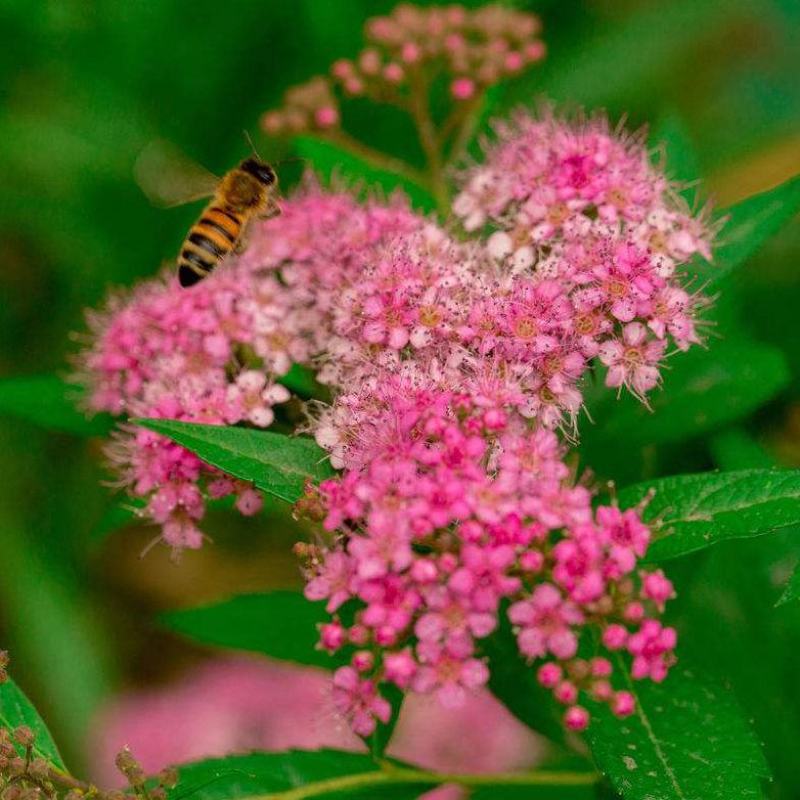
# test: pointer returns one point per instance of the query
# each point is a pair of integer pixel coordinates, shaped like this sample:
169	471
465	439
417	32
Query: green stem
466	131
393	776
375	158
429	139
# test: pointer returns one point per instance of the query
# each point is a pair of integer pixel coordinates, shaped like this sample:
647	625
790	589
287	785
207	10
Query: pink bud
410	52
513	61
363	660
531	561
272	122
393	73
657	587
358	635
615	636
623	704
354	86
332	636
462	88
601	667
602	691
634	611
566	693
342	69
326	117
385	636
576	718
370	62
549	675
535	51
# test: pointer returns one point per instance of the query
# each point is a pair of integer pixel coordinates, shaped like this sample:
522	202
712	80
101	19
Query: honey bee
245	193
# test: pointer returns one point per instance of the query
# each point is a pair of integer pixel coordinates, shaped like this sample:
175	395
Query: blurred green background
85	85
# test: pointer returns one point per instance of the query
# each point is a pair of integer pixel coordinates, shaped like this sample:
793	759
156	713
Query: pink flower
358	700
444	503
545	622
632	362
332	582
657	587
449	676
651	647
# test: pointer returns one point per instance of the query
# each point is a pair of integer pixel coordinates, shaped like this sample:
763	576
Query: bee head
261	171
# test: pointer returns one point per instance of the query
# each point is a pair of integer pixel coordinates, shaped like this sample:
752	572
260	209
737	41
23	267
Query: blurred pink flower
238	704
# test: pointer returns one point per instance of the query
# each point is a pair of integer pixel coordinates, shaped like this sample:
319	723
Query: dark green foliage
16	710
280	625
686	740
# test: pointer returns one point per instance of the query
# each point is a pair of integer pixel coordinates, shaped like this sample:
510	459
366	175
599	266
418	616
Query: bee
245	193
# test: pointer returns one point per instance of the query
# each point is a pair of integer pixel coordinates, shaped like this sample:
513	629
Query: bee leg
272	210
244	238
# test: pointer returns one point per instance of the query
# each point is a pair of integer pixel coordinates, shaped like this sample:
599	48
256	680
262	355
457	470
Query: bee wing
168	177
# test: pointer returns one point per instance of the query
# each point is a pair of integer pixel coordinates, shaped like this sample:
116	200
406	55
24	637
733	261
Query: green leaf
16	709
379	741
301	774
791	591
302	382
749	224
117	517
502	792
704	390
695	511
294	775
685	741
736	449
275	463
51	403
513	682
331	161
681	159
280	624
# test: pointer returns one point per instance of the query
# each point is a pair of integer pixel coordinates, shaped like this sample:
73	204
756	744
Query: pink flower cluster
582	205
452	363
214	354
450	508
410	49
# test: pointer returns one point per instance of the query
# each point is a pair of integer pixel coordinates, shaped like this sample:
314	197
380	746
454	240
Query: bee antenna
252	146
293	158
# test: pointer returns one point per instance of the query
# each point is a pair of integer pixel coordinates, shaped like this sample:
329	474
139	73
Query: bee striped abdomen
209	240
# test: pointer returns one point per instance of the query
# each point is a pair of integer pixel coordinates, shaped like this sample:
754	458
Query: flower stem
393	776
375	158
429	139
467	124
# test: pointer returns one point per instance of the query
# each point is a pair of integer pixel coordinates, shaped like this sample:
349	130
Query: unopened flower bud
168	777
16	765
12	792
130	767
24	736
39	769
